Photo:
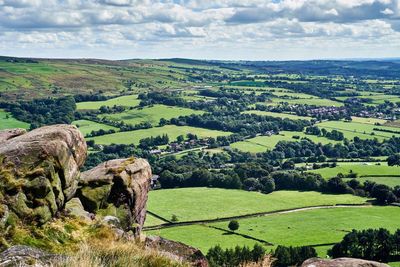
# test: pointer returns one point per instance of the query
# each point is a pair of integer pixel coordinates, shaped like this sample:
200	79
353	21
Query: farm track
169	224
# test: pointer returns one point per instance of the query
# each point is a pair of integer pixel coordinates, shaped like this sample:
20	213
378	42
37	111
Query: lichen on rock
39	170
118	188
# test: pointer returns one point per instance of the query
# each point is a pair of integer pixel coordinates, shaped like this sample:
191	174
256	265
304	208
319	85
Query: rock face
118	188
26	256
341	262
39	170
10	133
177	251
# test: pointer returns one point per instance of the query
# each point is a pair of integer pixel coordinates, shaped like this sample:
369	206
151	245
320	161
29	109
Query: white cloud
196	25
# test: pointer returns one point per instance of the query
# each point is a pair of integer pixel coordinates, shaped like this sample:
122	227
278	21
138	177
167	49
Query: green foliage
233	225
234	257
293	256
370	244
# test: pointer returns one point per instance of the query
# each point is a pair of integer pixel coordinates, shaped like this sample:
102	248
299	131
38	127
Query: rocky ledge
341	262
40	174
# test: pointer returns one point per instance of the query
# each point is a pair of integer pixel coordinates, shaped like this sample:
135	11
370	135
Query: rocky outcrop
10	133
39	170
26	256
177	251
118	188
341	262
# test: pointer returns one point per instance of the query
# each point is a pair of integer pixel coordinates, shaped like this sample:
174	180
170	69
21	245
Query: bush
233	225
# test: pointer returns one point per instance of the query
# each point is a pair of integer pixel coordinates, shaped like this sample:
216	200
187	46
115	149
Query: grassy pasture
279	115
126	101
133	137
389	181
377	98
362	169
86	126
320	226
368	120
263	143
151	114
311	227
362	130
190	204
7	121
152	220
202	237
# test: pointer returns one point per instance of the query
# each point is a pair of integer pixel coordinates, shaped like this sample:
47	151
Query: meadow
203	237
151	114
315	227
86	126
133	137
386	180
190	204
318	227
125	101
263	143
377	98
7	121
361	169
362	130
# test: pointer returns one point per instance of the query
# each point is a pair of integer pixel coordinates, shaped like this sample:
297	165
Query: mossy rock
94	199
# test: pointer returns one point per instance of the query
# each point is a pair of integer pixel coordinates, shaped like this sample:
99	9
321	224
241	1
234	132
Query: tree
174	218
233	225
180	138
394	160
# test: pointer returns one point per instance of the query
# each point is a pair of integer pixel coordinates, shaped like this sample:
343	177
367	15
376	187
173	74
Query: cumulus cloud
196	24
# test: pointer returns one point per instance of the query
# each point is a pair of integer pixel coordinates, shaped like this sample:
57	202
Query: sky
201	29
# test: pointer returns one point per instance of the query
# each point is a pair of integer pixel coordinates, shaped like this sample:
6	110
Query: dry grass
267	261
116	253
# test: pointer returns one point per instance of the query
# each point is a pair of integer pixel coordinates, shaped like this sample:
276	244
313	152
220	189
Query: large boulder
341	262
177	251
118	188
27	256
39	170
11	133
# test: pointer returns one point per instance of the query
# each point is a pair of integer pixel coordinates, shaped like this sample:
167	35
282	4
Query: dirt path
169	224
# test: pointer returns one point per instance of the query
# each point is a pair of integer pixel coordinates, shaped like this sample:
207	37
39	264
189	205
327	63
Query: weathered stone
39	170
118	188
341	262
11	133
177	251
23	256
112	221
75	208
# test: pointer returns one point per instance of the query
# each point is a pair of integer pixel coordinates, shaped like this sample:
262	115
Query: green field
126	101
86	126
320	226
389	181
263	143
7	121
362	130
152	220
151	114
377	98
133	137
308	227
368	120
190	204
362	169
279	115
202	237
